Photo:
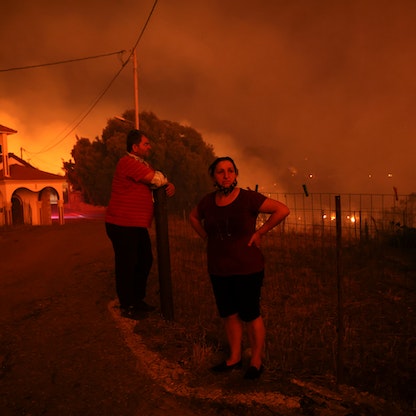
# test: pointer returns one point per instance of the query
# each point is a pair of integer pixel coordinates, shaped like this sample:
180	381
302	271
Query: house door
17	210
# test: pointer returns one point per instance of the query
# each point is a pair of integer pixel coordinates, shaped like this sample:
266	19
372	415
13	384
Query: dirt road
61	352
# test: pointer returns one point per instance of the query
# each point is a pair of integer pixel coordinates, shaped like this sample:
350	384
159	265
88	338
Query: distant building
27	195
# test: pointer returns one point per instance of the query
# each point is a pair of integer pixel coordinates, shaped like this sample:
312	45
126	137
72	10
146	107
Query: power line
85	115
50	146
35	161
62	62
101	95
144	27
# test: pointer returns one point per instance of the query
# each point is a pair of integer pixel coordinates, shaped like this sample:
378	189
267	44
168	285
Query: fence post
340	329
163	253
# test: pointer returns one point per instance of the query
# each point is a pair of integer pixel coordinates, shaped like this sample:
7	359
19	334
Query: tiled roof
23	162
27	172
24	173
7	130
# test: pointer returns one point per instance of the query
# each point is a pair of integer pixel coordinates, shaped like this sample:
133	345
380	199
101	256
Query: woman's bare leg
234	332
256	336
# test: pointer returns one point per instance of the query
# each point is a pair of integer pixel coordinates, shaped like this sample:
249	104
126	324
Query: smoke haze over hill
319	93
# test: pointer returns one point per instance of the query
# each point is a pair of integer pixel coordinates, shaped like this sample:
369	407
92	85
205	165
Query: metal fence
362	215
324	313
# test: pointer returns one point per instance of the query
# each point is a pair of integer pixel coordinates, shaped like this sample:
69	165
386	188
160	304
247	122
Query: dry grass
300	309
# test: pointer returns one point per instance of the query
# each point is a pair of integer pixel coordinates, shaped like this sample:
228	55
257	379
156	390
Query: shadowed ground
65	350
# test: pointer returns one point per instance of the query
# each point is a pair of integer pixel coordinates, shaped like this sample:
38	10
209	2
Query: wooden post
163	253
340	329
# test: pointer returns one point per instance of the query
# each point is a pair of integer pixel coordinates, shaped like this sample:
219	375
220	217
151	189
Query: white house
27	195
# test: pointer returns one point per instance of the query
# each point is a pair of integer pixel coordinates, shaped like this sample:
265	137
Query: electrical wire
50	146
36	161
144	27
111	82
61	62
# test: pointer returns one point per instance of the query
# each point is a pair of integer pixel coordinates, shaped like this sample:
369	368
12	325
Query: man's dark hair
211	169
134	137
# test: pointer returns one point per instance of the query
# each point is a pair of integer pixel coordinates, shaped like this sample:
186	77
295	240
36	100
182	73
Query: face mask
226	190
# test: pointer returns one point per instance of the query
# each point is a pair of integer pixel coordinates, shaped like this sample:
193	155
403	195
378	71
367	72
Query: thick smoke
317	93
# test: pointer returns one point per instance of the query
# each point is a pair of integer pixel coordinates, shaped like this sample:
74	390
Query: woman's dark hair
134	137
211	169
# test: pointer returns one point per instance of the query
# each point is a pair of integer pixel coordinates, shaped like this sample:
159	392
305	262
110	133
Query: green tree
179	151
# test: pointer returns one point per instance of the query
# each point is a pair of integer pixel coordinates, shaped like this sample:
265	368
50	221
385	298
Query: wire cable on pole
101	95
61	62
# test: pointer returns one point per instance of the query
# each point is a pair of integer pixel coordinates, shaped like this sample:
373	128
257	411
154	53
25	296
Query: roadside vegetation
301	311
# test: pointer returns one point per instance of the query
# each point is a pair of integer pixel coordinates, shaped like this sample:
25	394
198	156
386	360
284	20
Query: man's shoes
142	306
137	312
223	367
131	313
253	373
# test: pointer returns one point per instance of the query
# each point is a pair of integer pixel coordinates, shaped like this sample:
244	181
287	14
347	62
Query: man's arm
155	179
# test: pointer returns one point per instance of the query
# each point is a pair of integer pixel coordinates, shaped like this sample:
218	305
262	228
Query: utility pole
340	290
163	253
136	89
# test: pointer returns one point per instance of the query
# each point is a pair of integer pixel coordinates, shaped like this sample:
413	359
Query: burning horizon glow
266	83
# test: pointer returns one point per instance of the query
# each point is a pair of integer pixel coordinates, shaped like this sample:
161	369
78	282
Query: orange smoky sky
317	92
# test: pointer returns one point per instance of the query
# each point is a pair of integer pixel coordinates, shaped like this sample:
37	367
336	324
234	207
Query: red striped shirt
131	201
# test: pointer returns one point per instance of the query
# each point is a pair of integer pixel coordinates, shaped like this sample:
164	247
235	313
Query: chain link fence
301	294
363	216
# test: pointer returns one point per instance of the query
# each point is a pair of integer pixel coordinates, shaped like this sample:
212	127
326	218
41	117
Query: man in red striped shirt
129	215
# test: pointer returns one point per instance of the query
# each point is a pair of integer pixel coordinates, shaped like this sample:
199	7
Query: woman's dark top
229	229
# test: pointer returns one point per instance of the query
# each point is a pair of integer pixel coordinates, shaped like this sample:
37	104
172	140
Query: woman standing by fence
226	218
